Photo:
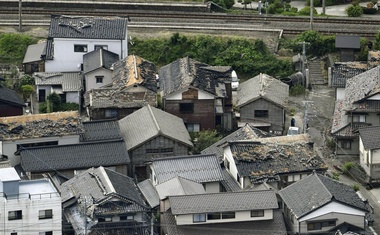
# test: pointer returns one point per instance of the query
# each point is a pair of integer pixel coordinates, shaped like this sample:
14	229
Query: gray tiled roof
343	71
347	41
275	226
75	156
222	202
101	130
88	27
34	52
263	86
186	72
246	132
70	81
260	160
40	125
199	168
98	184
149	122
314	191
229	182
98	59
149	192
370	137
10	96
179	186
48	52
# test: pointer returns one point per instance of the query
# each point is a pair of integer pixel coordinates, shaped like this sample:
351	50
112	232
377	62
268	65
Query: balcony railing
29	196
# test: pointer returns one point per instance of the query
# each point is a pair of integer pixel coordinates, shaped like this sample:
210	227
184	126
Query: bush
347	166
306	11
356	187
297	90
42	108
68	107
27	90
335	175
204	139
13	47
354	11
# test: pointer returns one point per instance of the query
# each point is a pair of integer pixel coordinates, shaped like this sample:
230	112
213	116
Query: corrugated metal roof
75	156
263	86
88	27
343	71
70	81
347	41
199	168
222	202
149	122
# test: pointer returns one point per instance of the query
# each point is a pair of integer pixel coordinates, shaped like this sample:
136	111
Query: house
28	206
246	132
316	204
10	103
198	93
97	68
19	132
279	161
70	159
70	37
33	61
203	169
373	59
133	86
262	102
150	133
341	72
359	108
369	154
347	45
108	201
235	213
67	85
100	130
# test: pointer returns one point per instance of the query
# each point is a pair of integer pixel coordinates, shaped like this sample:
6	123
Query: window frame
186	107
228	215
111	113
16	216
319	225
199	218
214	216
257	213
47	214
83	46
104	47
345	144
261	113
99	79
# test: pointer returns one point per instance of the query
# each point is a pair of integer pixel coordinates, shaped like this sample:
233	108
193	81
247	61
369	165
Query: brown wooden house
198	93
10	103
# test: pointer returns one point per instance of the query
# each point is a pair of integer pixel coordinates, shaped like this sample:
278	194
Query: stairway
315	70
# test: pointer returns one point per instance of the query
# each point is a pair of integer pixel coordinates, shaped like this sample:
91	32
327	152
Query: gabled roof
343	71
101	130
179	186
75	156
40	125
70	81
34	53
149	192
263	86
275	226
148	123
48	52
88	27
315	191
246	132
265	161
198	168
186	72
370	137
347	41
222	202
10	96
100	58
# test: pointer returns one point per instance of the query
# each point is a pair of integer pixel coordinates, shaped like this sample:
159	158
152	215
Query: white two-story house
369	151
70	37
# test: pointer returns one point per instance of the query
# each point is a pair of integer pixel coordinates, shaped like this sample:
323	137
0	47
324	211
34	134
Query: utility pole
311	14
20	15
323	7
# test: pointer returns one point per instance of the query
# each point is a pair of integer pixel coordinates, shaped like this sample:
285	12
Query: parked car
234	80
293	130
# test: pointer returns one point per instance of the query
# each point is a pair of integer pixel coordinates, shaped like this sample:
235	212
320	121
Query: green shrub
68	107
13	47
356	187
354	11
335	175
347	166
42	107
27	90
306	11
297	90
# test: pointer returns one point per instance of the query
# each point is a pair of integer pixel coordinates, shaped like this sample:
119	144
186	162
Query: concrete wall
90	78
212	187
73	97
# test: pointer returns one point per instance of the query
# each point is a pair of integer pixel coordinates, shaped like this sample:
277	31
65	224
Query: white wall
66	60
10	147
375	97
232	169
91	80
212	187
202	95
239	216
340	92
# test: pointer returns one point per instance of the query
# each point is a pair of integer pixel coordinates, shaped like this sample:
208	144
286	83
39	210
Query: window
45	214
191	127
358	118
199	218
80	48
186	107
111	113
261	113
228	215
257	213
14	215
127	217
228	164
105	47
99	79
160	150
345	144
212	216
46	233
13	233
320	225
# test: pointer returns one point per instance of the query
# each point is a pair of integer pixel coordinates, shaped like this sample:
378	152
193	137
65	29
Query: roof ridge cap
106	177
154	119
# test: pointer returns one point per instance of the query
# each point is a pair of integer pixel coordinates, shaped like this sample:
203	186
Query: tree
27	90
354	10
224	3
54	101
204	139
377	41
13	47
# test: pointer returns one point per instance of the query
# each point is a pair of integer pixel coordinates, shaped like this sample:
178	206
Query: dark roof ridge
183	156
100	120
220	193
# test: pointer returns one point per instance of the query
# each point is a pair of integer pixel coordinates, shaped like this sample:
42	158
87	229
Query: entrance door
41	95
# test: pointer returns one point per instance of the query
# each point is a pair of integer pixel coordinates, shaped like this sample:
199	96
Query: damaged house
109	202
133	86
278	163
